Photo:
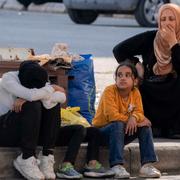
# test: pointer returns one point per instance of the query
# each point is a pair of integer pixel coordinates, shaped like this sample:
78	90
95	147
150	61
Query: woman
160	51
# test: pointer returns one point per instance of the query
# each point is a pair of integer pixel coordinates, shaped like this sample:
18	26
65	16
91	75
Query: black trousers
72	136
93	136
33	126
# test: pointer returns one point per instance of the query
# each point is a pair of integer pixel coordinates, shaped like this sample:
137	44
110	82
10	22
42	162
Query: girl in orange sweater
121	119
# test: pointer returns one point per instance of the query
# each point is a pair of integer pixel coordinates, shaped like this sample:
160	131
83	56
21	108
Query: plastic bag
70	116
81	89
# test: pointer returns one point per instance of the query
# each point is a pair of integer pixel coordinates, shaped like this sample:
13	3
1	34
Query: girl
120	119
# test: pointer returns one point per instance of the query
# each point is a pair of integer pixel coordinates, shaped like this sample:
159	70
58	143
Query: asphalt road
41	30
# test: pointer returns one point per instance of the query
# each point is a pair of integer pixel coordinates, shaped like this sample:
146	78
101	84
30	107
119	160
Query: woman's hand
169	35
131	126
58	88
146	122
17	106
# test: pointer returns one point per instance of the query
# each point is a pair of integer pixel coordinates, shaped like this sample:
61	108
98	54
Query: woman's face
124	78
167	18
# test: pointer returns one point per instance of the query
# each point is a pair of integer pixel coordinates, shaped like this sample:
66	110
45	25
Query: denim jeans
116	139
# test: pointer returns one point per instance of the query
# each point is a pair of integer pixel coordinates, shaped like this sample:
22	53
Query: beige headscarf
162	49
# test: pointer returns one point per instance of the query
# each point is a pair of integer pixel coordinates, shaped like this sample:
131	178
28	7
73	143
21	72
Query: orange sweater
112	107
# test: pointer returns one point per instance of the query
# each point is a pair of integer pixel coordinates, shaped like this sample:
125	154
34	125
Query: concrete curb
167	150
12	5
168	157
47	7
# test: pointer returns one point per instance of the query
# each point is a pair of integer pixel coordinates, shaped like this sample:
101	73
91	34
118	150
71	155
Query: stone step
167	150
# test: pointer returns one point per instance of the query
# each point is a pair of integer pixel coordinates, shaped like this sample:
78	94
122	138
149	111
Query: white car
86	11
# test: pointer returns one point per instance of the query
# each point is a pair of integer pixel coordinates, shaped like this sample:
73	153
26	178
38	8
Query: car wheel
146	12
82	16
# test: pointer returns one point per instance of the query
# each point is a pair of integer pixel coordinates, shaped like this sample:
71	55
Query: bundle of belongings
59	57
71	116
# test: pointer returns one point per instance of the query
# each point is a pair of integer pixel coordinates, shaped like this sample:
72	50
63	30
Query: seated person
120	118
27	119
72	136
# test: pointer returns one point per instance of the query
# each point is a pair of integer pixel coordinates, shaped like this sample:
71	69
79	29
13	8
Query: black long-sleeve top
142	44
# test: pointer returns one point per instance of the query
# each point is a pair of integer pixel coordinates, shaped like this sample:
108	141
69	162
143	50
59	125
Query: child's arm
11	83
56	97
138	112
131	126
111	108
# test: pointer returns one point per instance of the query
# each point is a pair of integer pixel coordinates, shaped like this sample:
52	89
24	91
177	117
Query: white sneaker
28	168
120	172
149	171
47	166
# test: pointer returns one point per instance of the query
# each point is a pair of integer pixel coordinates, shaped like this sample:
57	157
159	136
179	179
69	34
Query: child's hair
128	64
32	75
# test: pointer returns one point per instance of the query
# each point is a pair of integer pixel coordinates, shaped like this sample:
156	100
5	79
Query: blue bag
81	88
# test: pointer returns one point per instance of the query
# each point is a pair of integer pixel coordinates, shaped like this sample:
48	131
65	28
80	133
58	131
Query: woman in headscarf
160	89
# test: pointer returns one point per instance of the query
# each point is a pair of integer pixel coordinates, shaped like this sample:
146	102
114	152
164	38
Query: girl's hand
131	126
17	106
146	122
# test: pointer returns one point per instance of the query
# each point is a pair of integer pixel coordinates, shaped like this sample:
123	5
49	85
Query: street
41	31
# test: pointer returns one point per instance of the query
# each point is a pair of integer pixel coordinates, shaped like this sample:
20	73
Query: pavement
46	7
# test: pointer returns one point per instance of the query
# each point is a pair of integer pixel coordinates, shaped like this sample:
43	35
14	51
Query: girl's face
167	18
124	78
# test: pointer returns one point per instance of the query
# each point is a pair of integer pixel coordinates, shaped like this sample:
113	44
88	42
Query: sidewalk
167	151
47	7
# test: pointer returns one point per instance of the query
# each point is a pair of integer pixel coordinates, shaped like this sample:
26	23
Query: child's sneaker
120	172
67	171
28	168
149	171
47	166
97	171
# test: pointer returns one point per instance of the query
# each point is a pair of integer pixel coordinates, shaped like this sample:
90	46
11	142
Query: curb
46	7
167	153
11	5
166	149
